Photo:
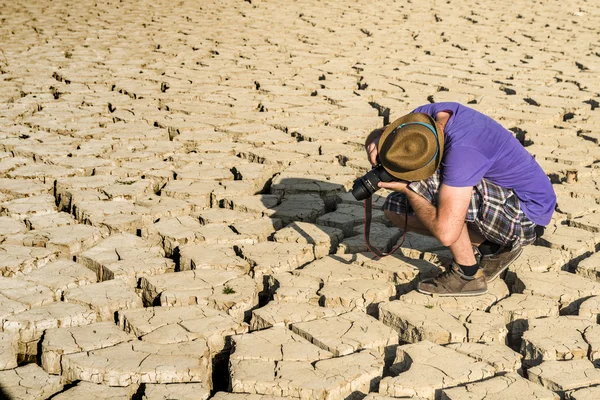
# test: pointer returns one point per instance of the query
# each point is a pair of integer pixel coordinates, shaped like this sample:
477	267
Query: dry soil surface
175	221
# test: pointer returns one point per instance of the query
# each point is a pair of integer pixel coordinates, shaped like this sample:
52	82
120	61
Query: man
464	179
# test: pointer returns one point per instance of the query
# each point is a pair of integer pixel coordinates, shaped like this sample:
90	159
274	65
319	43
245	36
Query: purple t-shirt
478	147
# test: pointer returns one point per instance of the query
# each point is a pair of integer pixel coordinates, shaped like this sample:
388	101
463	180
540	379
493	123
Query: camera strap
368	205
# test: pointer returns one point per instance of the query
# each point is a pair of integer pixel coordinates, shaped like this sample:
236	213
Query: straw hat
411	147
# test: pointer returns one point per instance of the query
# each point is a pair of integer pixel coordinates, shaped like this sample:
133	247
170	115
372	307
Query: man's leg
415	225
463	277
507	226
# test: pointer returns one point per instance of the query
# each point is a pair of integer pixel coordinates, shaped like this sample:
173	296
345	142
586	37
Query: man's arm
447	220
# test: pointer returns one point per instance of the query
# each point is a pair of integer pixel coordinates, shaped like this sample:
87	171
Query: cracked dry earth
175	221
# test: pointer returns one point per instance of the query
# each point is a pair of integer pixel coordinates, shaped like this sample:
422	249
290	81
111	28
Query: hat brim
428	170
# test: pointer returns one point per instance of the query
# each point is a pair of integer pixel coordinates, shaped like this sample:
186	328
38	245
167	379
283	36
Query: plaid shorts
494	210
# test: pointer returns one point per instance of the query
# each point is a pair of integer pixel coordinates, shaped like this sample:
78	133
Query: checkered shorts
494	210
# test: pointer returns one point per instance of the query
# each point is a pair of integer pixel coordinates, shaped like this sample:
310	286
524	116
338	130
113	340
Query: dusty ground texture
175	219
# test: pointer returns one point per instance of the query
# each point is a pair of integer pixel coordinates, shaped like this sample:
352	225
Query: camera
366	185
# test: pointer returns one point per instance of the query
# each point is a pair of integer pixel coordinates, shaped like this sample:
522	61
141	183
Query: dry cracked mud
175	215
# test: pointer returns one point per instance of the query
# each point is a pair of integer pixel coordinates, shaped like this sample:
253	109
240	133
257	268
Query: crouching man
464	179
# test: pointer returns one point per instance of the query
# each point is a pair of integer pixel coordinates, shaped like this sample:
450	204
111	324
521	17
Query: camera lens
359	190
366	185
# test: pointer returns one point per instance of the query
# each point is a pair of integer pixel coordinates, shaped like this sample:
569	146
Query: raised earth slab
152	287
276	344
285	314
61	275
562	376
538	259
66	188
23	208
10	226
591	393
589	268
325	239
359	295
32	323
299	207
592	337
26	293
112	216
29	382
173	232
341	268
136	362
179	391
41	222
555	338
246	396
106	298
329	379
348	333
347	216
568	289
223	290
258	230
125	256
289	288
424	368
224	216
165	207
199	191
65	240
20	188
574	241
483	327
404	272
518	308
180	324
10	307
223	234
68	340
499	356
92	391
297	184
510	386
269	258
377	396
260	204
230	189
211	256
415	322
9	346
590	309
19	260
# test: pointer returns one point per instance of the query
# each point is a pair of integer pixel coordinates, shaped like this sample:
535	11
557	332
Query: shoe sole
504	268
466	294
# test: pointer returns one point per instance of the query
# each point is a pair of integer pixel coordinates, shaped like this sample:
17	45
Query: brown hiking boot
495	264
453	282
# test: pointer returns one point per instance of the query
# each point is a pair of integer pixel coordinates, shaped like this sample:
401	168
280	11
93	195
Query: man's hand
372	152
371	144
396	186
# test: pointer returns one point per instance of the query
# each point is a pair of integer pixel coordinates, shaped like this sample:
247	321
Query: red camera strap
368	211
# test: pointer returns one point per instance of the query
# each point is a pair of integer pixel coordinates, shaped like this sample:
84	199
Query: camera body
366	185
